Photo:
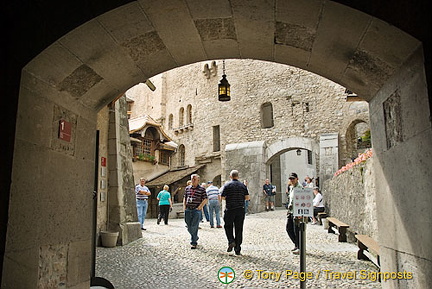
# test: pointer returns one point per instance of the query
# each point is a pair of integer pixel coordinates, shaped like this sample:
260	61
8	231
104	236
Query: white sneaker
296	251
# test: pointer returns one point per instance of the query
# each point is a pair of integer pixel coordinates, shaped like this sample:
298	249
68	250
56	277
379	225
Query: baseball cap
209	182
293	176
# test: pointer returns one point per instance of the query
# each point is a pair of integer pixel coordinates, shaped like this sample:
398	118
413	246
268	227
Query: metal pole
303	252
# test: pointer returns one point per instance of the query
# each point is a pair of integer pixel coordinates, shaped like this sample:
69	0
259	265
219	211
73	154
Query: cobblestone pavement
163	258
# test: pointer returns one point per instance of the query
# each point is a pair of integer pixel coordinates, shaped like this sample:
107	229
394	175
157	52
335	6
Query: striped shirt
194	196
212	192
234	193
139	188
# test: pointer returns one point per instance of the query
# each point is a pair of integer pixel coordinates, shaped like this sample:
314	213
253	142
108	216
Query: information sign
303	202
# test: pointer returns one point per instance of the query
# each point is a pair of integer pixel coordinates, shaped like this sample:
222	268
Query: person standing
234	193
165	204
214	203
205	211
269	191
142	194
195	197
293	224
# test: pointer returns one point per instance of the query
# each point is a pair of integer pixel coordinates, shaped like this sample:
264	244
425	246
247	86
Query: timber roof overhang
173	176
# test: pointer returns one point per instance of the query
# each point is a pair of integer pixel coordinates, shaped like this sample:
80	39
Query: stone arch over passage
277	148
87	68
356	129
277	167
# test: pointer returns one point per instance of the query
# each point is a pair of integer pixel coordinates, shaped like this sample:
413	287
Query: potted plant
147	158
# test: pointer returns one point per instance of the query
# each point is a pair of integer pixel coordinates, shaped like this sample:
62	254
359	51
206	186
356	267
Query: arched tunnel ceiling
108	54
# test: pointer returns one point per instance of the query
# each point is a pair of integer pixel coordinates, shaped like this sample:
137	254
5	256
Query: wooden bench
321	216
337	226
367	245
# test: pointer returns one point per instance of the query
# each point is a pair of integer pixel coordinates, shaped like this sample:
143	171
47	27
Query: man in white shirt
142	194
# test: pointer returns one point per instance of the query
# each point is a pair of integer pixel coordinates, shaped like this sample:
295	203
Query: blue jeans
192	219
246	206
142	211
206	213
214	207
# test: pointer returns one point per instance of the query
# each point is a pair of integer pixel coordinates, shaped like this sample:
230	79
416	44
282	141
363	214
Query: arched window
182	155
267	115
170	121
181	117
189	114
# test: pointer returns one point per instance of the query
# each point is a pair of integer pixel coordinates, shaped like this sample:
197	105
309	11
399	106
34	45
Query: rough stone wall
351	198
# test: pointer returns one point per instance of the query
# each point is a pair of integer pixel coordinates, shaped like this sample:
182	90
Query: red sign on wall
103	161
65	130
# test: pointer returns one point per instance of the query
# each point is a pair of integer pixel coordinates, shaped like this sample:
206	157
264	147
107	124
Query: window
164	157
216	138
170	121
309	157
182	155
146	146
144	150
189	114
267	115
148	143
181	117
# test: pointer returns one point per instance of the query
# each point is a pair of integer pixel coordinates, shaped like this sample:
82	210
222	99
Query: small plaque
65	130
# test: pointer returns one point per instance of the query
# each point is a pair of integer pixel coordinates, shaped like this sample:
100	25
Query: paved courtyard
163	258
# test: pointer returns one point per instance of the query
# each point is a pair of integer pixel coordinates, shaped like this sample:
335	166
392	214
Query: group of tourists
236	196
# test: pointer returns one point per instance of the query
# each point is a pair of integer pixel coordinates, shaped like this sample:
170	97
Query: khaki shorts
270	199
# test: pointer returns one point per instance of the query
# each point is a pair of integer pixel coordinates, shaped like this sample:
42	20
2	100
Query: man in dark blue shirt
234	193
269	192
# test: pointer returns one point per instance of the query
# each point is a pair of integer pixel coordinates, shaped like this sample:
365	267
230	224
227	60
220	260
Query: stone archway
277	148
277	157
87	68
352	138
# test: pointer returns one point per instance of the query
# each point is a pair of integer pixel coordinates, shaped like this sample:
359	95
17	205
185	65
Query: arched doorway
358	139
299	155
87	68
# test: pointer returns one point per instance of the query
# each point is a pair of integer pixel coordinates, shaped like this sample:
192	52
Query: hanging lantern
224	87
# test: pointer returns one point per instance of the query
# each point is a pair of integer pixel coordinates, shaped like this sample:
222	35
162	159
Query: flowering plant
360	159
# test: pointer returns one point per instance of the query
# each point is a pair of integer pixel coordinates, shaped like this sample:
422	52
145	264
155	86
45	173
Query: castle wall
304	105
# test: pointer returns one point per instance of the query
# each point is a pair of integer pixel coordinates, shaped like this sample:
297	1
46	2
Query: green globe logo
226	275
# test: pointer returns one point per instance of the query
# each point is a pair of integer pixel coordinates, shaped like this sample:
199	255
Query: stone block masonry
350	197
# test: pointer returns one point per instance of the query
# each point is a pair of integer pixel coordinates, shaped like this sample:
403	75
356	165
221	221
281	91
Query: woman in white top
318	204
308	182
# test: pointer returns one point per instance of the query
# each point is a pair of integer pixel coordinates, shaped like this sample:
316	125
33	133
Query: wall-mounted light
298	152
224	87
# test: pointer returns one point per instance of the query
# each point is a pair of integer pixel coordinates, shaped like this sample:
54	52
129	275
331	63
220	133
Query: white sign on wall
303	202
